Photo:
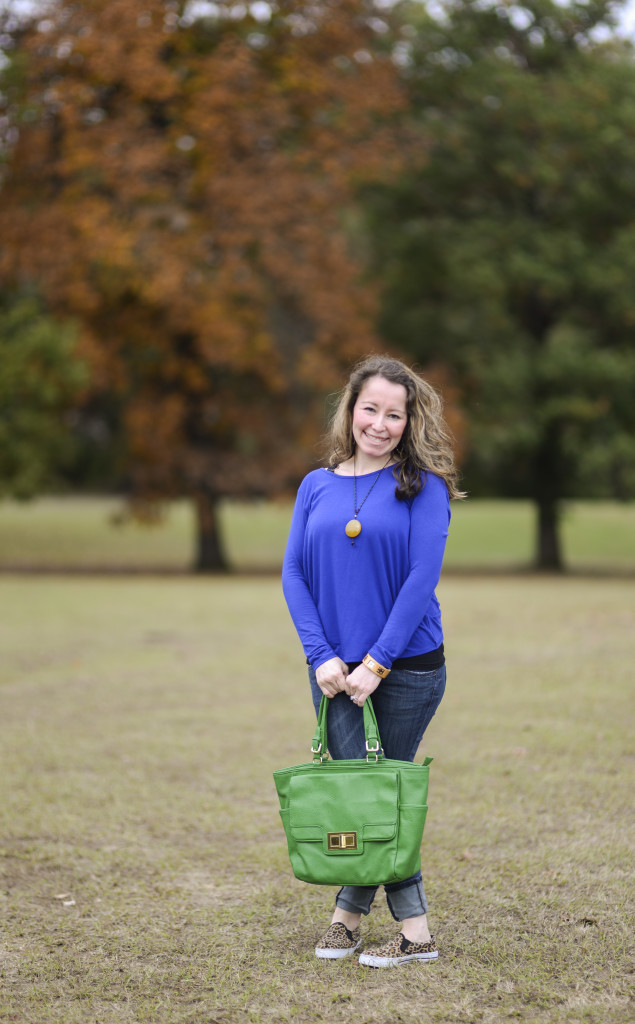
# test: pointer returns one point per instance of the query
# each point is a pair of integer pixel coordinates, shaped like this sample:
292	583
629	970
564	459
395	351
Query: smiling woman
379	420
363	600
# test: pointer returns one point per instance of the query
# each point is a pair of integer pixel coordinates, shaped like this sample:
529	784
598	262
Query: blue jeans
404	704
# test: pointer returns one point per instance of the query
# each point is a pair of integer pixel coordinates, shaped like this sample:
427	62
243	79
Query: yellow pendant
353	528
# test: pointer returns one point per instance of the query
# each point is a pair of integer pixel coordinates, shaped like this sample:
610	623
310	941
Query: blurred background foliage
209	211
41	377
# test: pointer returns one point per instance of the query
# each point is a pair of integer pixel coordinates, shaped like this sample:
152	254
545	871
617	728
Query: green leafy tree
41	377
507	251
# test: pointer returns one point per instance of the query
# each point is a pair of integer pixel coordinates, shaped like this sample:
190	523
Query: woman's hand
331	677
361	683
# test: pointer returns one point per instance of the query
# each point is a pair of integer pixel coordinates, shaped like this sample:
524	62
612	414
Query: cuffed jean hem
357	899
405	899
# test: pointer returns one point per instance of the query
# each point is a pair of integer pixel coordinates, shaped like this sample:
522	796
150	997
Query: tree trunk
210	555
548	547
549	480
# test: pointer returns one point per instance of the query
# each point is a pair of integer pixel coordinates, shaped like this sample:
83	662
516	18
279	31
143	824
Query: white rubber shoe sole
335	954
393	961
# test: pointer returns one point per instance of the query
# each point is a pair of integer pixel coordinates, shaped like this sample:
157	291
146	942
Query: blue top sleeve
430	518
295	585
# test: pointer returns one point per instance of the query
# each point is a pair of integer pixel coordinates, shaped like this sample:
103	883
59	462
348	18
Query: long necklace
353	527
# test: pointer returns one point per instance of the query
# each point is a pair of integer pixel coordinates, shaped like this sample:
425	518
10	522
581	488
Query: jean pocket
422	673
420	691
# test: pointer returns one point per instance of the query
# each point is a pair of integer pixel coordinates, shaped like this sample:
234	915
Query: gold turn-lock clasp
342	840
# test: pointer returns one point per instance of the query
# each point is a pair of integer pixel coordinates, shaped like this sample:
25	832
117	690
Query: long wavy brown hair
426	443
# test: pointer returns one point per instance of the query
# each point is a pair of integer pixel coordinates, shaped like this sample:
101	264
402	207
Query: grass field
145	875
78	533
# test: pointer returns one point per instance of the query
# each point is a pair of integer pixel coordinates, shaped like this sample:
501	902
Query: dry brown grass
140	721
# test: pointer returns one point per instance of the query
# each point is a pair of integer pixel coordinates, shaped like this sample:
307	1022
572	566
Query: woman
362	562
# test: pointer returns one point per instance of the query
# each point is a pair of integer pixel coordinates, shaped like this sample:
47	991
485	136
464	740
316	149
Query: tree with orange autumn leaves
177	185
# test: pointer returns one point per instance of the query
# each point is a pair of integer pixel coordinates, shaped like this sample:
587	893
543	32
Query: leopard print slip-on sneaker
399	951
338	942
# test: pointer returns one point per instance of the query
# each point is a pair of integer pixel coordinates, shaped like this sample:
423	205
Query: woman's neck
361	465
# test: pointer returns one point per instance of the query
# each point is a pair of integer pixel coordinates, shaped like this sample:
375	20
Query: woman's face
379	417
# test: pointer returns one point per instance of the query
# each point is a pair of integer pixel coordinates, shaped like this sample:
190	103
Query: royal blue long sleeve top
375	594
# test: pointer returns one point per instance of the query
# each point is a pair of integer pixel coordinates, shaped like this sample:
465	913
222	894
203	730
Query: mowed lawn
87	533
144	869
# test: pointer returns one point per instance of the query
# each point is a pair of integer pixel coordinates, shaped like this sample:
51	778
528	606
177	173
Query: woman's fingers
330	687
328	691
331	677
361	684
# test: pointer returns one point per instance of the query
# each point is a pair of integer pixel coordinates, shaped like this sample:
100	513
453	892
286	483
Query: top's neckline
360	476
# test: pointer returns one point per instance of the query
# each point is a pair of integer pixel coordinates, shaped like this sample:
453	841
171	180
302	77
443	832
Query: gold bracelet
375	667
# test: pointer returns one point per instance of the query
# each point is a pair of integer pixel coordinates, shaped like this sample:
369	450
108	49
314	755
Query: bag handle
371	731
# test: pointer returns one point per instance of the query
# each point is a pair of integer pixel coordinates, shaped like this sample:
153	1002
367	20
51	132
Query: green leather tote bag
357	822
